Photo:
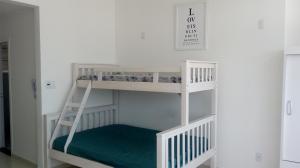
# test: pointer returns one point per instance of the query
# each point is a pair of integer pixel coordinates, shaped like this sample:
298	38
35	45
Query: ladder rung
67	123
75	105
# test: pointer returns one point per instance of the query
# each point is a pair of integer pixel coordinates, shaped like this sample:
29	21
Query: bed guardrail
186	146
198	75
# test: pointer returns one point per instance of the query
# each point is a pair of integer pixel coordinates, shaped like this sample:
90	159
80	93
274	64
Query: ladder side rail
78	116
61	116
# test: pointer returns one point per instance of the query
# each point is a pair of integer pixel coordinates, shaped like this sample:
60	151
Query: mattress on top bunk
166	77
122	146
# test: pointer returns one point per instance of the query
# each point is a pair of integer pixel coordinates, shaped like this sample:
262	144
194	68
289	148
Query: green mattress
119	146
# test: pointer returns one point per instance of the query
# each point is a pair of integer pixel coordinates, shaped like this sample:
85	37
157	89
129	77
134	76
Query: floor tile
13	162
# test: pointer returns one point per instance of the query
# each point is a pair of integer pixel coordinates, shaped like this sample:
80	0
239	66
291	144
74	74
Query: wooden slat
134	86
178	151
204	65
188	146
197	141
162	152
205	137
107	118
205	74
201	140
172	152
174	131
196	75
84	122
199	75
210	73
203	69
193	143
102	119
90	117
111	117
183	149
167	163
209	137
96	117
74	160
192	75
66	123
155	77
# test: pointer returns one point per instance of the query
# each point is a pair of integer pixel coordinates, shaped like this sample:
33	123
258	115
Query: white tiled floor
12	162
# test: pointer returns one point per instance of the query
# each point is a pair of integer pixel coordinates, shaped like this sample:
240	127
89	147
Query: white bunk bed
197	139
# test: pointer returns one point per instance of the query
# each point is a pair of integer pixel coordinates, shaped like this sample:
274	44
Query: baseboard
64	166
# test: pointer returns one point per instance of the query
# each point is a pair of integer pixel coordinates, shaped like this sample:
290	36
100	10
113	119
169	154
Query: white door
291	125
21	32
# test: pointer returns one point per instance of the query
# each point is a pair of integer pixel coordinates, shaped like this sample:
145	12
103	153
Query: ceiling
6	8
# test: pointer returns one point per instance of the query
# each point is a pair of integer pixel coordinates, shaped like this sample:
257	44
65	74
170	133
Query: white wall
250	69
292	23
77	32
160	111
19	29
71	31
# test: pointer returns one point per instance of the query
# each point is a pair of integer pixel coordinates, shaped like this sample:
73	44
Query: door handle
34	89
289	111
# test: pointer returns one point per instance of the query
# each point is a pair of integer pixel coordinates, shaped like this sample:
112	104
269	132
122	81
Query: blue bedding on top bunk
120	146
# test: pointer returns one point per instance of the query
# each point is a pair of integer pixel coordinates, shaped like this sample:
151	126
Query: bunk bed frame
196	76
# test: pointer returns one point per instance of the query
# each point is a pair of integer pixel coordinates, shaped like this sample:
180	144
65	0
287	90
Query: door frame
40	137
283	108
293	52
10	96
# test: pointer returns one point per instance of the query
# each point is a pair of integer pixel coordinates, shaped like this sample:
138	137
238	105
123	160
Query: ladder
62	122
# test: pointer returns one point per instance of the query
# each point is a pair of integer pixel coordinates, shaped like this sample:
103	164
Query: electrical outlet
261	24
258	157
143	35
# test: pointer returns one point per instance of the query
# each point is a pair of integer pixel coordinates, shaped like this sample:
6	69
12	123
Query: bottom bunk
101	142
122	146
119	146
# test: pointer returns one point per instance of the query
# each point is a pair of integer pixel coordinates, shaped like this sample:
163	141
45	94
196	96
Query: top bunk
191	76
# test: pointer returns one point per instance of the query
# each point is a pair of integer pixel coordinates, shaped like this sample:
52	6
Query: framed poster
190	26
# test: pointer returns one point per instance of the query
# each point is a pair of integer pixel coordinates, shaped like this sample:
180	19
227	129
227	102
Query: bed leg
213	162
49	163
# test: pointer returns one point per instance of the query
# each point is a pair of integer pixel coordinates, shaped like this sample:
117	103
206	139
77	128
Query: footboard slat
172	152
196	143
209	135
201	140
193	144
178	150
188	146
205	137
183	151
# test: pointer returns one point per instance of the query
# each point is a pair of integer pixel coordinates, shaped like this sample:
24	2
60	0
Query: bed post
161	152
185	79
48	137
75	72
215	112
